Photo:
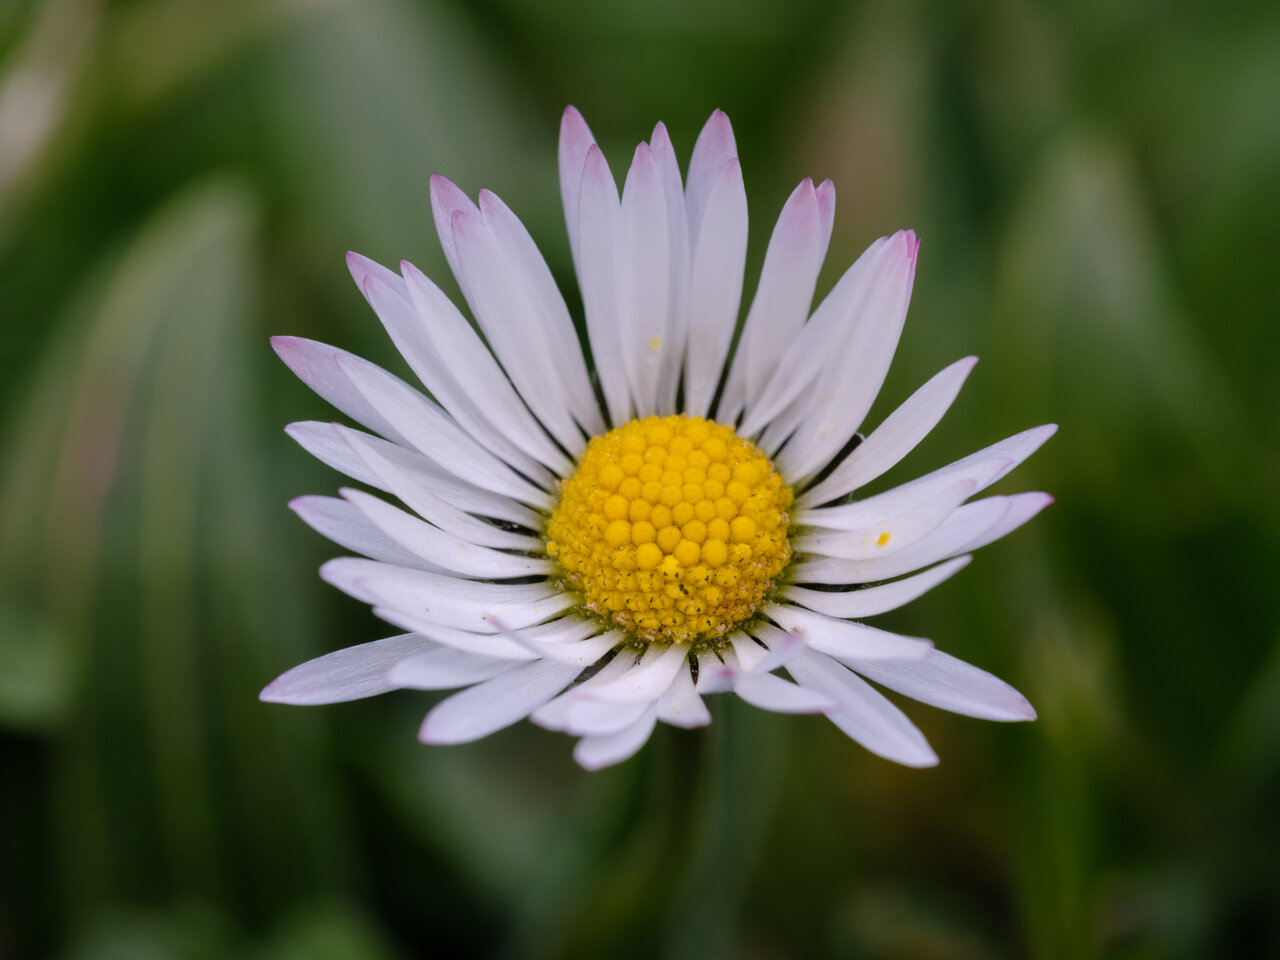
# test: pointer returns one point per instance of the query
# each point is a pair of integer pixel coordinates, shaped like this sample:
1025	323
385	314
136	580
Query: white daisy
597	545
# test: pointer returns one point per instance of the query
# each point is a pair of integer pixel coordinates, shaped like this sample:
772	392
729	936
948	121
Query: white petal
444	668
492	646
446	200
972	526
487	707
681	706
748	652
817	345
672	349
781	645
594	753
885	524
715	286
984	467
433	433
588	718
322	441
643	277
407	330
647	681
566	630
348	674
768	692
894	438
714	676
468	382
554	715
583	652
419	495
782	300
864	714
843	639
363	269
599	223
575	141
556	326
870	601
827	209
330	443
943	681
448	601
1021	507
507	308
713	149
441	549
316	365
848	383
346	526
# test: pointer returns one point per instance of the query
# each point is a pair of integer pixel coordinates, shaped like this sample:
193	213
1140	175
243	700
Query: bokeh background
1096	187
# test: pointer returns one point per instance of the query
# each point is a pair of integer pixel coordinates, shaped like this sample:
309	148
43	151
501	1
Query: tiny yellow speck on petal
882	539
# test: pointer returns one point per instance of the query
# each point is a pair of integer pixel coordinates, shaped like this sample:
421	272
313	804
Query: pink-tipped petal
826	193
714	148
857	360
553	324
599	216
575	141
715	287
446	201
673	348
782	299
363	269
349	674
644	275
318	366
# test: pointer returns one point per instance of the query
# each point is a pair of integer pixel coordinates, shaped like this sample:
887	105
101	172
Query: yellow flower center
673	528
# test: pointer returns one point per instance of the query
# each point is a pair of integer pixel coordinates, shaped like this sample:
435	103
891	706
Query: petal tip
283	343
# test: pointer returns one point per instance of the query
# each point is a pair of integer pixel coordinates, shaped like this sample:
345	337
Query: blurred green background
1096	187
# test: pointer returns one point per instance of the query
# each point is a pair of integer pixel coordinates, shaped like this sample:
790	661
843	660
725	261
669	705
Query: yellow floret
648	556
618	533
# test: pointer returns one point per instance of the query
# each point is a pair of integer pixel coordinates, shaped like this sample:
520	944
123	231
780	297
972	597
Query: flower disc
672	528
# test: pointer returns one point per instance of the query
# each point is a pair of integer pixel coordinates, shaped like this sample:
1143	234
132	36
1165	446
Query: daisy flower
596	535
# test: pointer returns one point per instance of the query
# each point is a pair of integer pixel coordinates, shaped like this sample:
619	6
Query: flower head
597	552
